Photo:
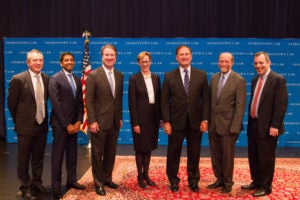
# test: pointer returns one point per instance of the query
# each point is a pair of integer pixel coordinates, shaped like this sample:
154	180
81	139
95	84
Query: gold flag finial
86	34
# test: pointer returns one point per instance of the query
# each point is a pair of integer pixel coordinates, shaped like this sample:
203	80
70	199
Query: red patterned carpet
285	185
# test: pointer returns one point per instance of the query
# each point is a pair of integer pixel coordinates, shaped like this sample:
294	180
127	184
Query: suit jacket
66	109
272	104
101	106
227	111
176	106
138	98
22	104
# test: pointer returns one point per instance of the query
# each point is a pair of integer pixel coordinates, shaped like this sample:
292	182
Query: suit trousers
222	156
104	145
31	151
175	140
261	154
63	143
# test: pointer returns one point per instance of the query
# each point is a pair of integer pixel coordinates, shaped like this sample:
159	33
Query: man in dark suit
65	93
104	92
185	111
27	103
267	107
228	100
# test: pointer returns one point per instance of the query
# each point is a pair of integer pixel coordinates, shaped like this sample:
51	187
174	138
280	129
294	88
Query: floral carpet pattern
285	184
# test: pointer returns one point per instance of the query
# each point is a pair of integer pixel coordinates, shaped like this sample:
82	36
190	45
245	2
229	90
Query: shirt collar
107	70
226	75
266	74
182	69
32	74
66	72
146	76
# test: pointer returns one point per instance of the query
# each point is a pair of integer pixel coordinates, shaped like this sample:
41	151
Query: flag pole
86	68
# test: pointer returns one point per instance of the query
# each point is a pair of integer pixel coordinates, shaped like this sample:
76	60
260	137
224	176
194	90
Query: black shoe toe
76	186
100	190
215	185
112	185
194	187
174	187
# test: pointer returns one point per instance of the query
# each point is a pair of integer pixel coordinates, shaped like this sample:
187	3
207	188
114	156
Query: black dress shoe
112	185
27	194
194	187
251	186
76	186
56	194
149	181
141	182
226	189
174	187
215	185
261	192
40	189
100	190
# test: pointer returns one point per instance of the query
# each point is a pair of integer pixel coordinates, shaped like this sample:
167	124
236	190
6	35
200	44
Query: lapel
266	87
154	83
229	80
141	82
254	82
117	82
103	76
66	82
78	84
45	83
215	84
29	82
179	79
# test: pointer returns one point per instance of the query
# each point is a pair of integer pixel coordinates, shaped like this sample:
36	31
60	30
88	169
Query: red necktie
255	101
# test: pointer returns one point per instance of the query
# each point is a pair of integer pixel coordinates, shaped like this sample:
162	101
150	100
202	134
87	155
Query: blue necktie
186	81
72	84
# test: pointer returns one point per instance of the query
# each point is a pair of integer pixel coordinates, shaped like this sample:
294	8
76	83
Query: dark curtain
146	18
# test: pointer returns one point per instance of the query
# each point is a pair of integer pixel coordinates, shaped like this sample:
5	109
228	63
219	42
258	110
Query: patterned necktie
72	84
40	109
255	100
221	84
111	83
186	81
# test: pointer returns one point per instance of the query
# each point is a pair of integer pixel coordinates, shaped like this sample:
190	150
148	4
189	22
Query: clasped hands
95	127
168	127
73	128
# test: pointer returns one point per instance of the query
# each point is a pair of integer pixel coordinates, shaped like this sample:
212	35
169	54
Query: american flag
86	68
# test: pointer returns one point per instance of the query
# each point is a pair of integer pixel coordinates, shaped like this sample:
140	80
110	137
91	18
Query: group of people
186	105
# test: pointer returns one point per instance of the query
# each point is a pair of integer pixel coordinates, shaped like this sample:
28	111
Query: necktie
72	84
255	100
186	81
220	85
111	83
40	109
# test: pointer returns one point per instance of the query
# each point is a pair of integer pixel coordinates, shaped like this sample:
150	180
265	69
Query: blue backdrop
284	54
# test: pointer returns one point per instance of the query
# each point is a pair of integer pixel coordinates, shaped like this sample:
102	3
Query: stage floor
9	184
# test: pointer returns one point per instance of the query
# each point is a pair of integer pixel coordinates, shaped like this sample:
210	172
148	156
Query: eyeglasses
144	62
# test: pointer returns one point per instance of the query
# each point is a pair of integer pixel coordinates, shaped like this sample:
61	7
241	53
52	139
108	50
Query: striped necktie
186	81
